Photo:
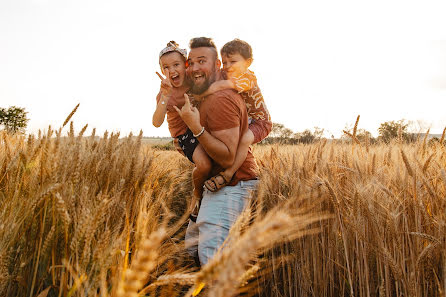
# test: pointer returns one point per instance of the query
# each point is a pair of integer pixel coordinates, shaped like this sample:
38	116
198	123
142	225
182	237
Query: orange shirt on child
246	85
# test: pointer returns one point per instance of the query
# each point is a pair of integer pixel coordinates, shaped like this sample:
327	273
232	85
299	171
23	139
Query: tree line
14	120
387	132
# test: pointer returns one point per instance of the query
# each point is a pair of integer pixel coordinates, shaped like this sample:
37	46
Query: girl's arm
161	99
218	86
160	111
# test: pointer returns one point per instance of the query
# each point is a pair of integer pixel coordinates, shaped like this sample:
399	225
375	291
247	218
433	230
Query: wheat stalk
70	115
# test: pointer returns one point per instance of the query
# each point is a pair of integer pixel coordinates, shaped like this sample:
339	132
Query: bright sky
318	63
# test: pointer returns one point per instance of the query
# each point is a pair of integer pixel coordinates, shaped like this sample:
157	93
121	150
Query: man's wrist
198	132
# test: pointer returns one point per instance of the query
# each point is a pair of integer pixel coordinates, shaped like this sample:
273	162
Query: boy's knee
247	138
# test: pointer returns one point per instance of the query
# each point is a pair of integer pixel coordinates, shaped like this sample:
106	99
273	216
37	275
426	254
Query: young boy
237	57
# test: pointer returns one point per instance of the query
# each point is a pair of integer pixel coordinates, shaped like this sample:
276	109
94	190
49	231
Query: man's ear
218	63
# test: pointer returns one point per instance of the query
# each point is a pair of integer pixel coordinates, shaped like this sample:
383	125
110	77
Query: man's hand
190	115
166	86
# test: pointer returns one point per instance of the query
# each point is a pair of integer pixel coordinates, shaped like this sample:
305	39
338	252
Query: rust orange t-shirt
225	110
176	125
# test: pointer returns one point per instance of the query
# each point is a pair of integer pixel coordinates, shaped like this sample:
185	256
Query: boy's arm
218	86
160	111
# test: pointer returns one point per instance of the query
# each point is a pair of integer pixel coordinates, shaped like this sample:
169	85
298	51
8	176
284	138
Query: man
218	125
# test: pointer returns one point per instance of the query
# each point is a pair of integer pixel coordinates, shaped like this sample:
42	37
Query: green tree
305	136
277	129
13	119
361	134
280	131
391	129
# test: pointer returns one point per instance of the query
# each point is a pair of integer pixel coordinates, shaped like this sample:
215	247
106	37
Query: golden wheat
76	213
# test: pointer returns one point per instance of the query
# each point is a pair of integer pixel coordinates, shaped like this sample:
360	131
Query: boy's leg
222	179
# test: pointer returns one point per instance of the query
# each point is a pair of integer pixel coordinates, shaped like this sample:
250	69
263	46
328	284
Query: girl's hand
166	86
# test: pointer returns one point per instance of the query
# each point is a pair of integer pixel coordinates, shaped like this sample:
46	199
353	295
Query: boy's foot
217	182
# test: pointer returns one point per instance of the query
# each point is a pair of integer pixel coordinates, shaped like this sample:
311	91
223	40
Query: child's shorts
188	144
260	129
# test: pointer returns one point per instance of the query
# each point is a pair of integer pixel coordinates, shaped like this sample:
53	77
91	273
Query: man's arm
220	145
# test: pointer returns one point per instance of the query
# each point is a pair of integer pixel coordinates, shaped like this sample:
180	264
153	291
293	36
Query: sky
318	63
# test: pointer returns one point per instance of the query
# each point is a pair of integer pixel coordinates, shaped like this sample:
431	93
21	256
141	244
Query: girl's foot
196	207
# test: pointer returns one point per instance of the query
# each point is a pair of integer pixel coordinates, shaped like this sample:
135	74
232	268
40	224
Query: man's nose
194	67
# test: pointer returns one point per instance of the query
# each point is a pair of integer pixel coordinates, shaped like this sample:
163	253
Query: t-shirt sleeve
244	82
224	113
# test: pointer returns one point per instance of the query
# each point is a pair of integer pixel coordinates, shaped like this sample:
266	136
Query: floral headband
174	48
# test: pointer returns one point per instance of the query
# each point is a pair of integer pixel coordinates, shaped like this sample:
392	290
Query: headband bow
173	48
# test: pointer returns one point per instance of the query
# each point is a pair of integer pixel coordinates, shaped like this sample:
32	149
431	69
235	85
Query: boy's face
173	64
235	64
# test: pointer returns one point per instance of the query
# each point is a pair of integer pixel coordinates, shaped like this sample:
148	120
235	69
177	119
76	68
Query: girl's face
173	66
235	64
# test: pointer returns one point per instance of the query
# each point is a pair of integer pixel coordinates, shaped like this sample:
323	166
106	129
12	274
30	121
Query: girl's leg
177	146
200	173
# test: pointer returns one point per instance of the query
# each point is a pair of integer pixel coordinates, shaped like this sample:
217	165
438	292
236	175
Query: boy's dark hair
203	42
237	46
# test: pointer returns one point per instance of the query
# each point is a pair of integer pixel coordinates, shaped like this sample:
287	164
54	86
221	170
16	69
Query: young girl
237	57
172	61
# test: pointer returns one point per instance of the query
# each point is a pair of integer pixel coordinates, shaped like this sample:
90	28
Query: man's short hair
203	42
237	46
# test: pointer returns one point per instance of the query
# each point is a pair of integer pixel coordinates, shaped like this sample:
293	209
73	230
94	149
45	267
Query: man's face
202	69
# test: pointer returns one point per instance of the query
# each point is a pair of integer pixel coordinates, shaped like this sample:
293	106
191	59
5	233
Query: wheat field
104	216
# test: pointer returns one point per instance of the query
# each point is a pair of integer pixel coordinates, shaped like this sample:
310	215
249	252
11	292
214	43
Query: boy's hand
166	86
190	115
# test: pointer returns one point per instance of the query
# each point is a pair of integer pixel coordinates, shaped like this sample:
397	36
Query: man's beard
200	89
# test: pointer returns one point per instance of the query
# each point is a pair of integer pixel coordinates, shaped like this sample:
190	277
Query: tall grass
104	216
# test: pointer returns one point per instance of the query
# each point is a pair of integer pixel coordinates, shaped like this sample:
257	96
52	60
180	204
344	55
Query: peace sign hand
190	115
166	86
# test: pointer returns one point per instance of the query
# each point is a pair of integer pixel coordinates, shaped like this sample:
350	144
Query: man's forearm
220	145
221	152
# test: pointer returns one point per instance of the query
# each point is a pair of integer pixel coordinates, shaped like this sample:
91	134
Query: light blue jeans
218	212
